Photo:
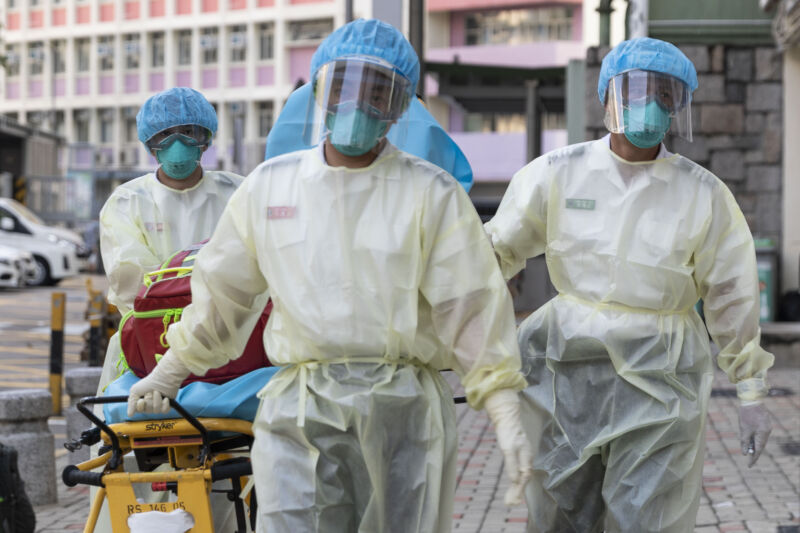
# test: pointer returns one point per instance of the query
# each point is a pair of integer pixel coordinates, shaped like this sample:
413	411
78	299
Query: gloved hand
754	429
504	411
152	393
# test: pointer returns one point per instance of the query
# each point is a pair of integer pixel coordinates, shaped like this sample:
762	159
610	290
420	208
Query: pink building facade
479	55
82	68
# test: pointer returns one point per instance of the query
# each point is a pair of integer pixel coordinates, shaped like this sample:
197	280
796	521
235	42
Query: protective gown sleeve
519	228
471	307
727	279
228	293
126	254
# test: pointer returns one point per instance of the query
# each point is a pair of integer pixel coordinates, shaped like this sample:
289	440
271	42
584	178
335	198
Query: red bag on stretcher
159	303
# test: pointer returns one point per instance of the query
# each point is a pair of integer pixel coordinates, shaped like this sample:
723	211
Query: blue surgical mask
646	125
179	160
354	132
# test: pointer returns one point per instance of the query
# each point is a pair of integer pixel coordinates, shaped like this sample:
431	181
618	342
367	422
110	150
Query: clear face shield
645	105
355	102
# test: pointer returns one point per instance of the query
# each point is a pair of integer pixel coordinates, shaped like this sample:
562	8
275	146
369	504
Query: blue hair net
424	137
372	38
644	53
178	106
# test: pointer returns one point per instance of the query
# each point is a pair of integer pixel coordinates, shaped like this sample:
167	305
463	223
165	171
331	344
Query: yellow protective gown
380	277
618	363
142	224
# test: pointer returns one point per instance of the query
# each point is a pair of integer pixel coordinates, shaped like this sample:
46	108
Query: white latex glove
152	393
754	429
504	411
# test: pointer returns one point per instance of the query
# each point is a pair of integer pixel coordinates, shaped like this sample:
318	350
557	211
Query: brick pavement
764	499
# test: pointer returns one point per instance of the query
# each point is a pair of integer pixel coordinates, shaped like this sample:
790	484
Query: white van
58	252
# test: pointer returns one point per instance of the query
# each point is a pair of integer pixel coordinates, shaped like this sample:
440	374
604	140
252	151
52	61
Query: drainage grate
731	393
788	529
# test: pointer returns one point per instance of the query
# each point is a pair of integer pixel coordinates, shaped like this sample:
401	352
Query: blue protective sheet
234	399
425	138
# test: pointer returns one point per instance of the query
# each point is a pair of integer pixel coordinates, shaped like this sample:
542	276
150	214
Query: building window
58	124
238	43
266	39
495	123
264	118
156	50
185	47
130	131
82	54
81	122
12	60
105	52
310	30
131	50
519	26
106	125
34	119
208	45
36	58
12	4
59	62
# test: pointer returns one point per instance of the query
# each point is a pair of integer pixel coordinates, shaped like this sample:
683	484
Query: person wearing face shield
149	218
381	276
618	364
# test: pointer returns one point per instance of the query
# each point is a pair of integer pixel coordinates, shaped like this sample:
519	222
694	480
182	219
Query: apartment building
484	54
82	68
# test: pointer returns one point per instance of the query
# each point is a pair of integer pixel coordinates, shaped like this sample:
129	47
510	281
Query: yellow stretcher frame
188	451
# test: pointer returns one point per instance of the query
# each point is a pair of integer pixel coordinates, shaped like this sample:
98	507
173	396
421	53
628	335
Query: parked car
57	252
11	273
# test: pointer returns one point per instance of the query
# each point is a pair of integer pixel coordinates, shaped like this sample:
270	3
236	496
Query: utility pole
416	36
605	11
533	120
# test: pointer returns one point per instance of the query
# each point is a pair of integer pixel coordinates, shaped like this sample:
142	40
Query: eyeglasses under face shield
190	135
372	86
635	89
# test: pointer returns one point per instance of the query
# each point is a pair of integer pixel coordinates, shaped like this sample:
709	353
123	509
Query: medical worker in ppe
618	364
149	218
381	275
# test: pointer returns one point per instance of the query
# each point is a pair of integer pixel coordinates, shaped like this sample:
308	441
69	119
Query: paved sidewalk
764	499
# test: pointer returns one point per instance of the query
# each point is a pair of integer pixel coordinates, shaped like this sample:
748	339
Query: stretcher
205	438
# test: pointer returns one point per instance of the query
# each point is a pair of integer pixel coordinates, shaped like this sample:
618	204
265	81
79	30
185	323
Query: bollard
96	317
58	313
79	383
23	425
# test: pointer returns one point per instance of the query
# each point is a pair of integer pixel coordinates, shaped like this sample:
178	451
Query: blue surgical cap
424	138
372	38
644	53
178	106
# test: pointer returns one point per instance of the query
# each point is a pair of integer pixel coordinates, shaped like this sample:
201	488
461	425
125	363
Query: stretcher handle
72	476
232	468
116	456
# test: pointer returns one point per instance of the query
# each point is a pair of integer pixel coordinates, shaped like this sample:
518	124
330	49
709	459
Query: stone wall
737	122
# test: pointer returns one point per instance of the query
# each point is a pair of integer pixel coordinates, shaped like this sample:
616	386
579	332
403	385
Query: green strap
159	274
